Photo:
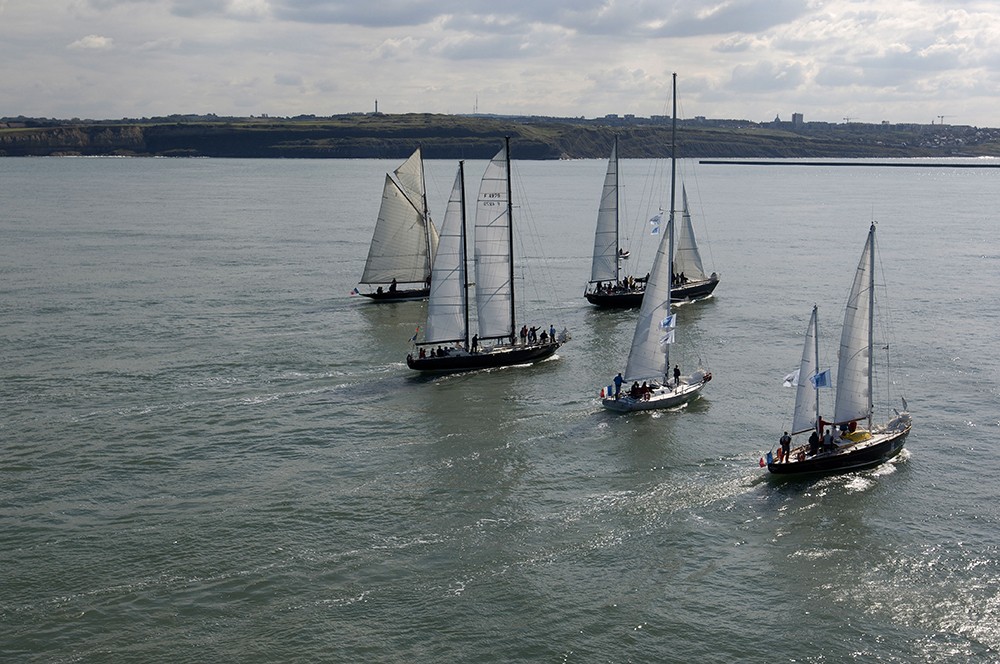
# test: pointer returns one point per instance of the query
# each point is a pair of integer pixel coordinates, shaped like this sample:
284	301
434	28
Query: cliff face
463	137
73	140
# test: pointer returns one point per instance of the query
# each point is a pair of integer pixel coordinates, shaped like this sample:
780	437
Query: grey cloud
738	16
596	17
293	80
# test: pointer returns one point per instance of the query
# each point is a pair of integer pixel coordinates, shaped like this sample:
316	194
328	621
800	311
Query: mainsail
605	265
403	243
446	305
854	397
494	272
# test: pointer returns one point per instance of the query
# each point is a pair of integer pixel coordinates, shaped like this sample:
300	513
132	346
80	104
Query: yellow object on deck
856	436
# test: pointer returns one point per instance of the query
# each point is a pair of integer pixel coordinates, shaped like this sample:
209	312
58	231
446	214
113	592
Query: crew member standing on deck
786	445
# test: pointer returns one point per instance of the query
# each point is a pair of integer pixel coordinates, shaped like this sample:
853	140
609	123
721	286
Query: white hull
661	397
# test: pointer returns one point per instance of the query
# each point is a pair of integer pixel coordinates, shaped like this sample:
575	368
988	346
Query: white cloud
898	60
92	43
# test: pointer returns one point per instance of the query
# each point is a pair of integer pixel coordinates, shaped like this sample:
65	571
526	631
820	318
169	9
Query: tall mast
871	315
670	226
618	263
510	239
816	370
465	256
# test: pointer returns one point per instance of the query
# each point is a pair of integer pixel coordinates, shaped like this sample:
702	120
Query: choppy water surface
211	451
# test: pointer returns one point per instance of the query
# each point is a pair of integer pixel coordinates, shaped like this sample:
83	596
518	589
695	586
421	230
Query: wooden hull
399	295
502	356
867	454
663	397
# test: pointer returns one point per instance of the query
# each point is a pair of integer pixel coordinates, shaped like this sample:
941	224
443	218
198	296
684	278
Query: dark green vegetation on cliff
478	137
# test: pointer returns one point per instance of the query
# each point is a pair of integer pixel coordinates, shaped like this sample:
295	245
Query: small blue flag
821	379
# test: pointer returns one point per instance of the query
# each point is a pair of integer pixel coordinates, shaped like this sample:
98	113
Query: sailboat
842	445
446	346
607	287
649	356
403	245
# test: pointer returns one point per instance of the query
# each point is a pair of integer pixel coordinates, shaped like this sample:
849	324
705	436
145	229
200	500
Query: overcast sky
875	60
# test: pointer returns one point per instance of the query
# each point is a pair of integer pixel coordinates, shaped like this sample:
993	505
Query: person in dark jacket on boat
813	442
677	376
786	445
618	385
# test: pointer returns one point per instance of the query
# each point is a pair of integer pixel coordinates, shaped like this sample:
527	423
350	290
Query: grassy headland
478	137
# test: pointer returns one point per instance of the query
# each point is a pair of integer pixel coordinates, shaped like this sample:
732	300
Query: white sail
410	175
605	265
687	258
404	238
446	319
494	284
648	357
854	398
804	417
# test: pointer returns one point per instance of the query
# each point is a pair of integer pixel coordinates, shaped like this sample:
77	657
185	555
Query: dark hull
855	457
627	300
503	357
399	295
693	290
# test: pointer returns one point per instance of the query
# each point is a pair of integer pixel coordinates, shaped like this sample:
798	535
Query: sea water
212	451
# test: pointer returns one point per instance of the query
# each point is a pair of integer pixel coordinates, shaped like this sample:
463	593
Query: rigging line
650	202
528	237
701	227
887	327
